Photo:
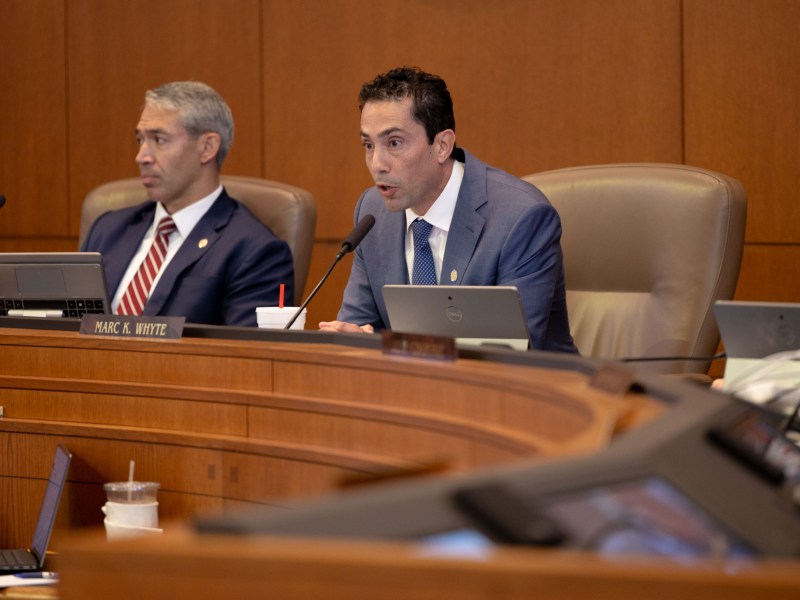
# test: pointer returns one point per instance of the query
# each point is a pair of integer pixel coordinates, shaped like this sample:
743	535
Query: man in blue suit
215	262
488	227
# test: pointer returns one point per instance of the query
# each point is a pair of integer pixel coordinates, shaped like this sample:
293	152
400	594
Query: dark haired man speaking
480	226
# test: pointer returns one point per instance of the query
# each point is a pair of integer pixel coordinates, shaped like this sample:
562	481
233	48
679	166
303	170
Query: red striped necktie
141	285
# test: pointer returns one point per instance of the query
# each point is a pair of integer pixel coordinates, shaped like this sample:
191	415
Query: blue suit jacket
504	232
239	267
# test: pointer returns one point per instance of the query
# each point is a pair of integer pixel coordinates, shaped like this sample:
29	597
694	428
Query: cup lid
131	486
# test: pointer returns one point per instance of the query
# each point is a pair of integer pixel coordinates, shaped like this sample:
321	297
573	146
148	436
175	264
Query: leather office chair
648	248
290	212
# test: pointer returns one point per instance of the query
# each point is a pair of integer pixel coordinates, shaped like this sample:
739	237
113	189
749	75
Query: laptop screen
52	284
50	503
761	342
473	315
757	329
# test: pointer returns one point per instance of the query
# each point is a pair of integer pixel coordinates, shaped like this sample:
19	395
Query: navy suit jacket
504	232
219	281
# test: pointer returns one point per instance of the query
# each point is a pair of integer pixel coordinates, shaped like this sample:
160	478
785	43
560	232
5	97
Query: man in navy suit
488	227
220	261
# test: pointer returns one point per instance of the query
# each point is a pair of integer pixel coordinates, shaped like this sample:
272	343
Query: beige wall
537	84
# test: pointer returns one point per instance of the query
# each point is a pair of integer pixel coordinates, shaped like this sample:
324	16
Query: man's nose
379	162
144	155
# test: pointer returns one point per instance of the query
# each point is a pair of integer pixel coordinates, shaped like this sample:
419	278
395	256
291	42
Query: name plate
165	328
419	346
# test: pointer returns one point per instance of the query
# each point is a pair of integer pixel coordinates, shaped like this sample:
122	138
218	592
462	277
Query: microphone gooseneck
349	244
711	358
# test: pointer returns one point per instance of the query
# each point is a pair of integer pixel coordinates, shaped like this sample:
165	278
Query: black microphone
3	201
352	241
349	244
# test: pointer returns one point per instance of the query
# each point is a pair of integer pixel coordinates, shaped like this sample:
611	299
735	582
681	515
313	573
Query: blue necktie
424	271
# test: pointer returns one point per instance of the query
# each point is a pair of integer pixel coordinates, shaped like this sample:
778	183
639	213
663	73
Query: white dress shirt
440	215
185	220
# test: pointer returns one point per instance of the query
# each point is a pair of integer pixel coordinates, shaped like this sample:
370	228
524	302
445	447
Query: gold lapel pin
453	275
202	243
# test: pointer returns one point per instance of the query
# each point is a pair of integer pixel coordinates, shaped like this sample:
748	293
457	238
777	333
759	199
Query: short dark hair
432	105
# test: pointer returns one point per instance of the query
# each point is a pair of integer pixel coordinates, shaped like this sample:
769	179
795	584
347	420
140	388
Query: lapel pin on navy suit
453	275
202	243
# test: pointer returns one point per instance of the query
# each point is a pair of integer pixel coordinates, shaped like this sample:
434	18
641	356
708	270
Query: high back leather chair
290	212
648	248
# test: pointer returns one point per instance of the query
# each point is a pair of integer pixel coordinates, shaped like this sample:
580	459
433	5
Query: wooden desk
183	565
221	423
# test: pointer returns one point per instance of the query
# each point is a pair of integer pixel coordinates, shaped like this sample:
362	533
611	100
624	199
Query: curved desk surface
221	423
184	565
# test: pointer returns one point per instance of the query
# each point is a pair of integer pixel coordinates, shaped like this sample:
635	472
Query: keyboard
17	559
69	307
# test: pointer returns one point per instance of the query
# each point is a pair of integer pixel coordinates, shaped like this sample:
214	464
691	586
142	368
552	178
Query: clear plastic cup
131	506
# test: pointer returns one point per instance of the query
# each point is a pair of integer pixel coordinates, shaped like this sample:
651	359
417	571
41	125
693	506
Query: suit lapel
392	236
200	241
119	255
467	224
390	266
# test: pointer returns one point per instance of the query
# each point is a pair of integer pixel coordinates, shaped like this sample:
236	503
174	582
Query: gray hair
201	110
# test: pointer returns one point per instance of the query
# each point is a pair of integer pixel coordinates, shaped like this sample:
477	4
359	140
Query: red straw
280	298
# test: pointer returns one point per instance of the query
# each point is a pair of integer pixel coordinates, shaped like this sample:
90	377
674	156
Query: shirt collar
186	218
441	213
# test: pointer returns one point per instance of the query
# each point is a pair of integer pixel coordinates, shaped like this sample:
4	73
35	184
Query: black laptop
21	560
52	284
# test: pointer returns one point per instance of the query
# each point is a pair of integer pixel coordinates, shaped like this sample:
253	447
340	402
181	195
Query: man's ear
209	146
443	144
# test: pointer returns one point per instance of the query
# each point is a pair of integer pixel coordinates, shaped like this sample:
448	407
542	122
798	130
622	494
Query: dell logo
454	314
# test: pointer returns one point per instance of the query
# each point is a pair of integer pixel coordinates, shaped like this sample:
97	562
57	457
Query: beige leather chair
648	248
290	212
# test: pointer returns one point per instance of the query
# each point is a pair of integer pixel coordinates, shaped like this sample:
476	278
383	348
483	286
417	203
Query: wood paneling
742	69
770	273
37	244
33	121
221	422
117	50
535	85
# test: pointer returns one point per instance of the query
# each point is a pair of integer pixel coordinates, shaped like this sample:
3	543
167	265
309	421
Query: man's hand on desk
345	327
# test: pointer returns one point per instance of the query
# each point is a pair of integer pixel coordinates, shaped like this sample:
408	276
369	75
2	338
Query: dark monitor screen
52	284
648	516
645	516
